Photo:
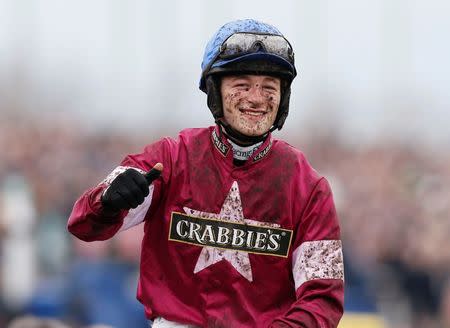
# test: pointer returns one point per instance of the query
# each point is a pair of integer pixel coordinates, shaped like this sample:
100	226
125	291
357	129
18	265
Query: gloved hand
129	189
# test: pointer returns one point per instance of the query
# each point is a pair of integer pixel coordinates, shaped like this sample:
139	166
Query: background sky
368	70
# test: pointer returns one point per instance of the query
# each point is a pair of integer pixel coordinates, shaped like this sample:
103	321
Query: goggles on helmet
240	44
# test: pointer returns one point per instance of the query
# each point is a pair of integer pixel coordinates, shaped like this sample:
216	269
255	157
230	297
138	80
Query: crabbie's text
230	235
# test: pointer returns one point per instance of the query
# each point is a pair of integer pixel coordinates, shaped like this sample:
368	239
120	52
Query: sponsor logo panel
229	235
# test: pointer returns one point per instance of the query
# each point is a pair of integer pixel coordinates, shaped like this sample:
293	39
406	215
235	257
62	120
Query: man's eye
242	86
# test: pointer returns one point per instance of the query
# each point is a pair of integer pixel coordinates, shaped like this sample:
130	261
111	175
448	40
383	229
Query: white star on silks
231	211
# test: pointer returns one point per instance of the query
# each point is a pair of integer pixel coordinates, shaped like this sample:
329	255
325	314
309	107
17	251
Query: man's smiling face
250	102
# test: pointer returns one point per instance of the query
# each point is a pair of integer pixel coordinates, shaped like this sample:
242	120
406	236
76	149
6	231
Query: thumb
154	173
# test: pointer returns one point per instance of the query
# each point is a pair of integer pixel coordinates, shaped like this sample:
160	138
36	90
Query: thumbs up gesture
129	189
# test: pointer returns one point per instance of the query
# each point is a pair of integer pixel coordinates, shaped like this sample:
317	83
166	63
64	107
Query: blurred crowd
45	165
393	202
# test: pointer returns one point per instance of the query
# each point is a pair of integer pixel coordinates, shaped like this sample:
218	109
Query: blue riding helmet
263	48
247	47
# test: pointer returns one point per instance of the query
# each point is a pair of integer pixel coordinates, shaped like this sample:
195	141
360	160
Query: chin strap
239	138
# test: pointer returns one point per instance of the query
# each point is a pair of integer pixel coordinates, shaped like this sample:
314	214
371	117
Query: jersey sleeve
89	221
317	265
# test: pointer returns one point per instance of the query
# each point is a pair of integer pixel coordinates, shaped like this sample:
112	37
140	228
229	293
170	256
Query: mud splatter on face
250	102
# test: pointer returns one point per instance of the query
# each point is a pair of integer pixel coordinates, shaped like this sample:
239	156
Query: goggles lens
245	43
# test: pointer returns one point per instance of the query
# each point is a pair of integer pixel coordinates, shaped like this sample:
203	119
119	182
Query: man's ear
283	108
214	99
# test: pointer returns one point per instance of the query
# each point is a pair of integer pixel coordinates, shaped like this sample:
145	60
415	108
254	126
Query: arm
317	266
91	219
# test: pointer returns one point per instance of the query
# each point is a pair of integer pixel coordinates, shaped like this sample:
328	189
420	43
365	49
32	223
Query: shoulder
184	136
194	133
287	152
192	138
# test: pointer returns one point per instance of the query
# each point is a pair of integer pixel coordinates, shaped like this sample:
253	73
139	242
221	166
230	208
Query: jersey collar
224	148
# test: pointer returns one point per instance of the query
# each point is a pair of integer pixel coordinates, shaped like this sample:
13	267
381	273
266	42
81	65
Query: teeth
251	113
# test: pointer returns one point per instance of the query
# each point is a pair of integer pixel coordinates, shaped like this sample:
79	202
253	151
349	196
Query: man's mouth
252	112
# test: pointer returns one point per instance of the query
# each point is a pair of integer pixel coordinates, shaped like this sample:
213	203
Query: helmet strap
238	137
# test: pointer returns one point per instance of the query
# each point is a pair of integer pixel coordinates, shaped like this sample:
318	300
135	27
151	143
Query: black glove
129	189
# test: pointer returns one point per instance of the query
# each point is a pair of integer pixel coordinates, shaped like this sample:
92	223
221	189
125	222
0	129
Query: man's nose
255	94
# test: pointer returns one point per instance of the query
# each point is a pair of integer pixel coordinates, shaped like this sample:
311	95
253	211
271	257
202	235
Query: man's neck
243	153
